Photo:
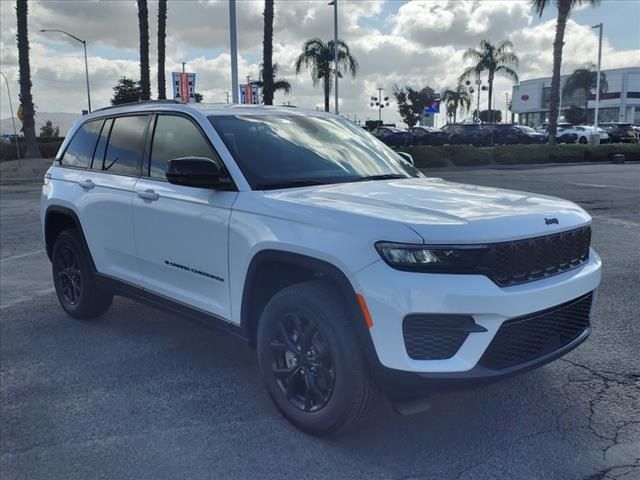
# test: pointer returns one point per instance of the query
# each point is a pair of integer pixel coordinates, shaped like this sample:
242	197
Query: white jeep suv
345	267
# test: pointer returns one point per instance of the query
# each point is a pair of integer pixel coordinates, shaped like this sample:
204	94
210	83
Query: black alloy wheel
302	363
68	275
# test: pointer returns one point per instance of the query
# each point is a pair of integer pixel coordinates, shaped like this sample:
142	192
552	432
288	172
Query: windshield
280	151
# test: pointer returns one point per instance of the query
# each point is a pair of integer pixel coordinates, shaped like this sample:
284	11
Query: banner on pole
184	87
249	94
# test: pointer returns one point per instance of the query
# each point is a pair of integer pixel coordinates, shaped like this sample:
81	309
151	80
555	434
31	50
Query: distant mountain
62	120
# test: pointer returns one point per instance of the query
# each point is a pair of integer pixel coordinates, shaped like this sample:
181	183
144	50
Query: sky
416	43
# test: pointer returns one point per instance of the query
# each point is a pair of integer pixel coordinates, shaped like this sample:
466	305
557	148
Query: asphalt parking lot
141	394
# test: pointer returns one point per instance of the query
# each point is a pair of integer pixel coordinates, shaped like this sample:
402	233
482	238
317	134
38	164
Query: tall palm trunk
490	82
28	124
143	24
327	90
564	7
162	35
267	53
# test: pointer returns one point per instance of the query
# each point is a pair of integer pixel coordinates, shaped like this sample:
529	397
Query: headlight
434	258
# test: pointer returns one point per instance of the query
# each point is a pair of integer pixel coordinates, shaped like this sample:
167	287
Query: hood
443	212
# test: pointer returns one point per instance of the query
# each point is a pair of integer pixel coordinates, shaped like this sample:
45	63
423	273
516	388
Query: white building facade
620	103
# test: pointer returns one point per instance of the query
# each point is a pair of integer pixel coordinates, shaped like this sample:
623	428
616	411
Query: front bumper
392	295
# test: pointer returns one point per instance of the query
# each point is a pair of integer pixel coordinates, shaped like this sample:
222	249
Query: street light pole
234	51
595	123
13	120
86	64
335	50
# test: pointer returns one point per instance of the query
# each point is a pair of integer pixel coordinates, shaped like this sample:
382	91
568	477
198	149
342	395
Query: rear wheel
74	280
311	360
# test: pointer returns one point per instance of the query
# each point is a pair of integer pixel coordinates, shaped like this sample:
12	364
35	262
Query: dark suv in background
620	132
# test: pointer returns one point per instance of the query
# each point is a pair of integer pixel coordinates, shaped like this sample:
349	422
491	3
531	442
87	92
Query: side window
126	145
176	137
80	149
98	157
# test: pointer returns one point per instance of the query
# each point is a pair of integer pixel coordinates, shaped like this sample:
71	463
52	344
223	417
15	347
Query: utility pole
13	120
183	64
596	135
506	106
234	51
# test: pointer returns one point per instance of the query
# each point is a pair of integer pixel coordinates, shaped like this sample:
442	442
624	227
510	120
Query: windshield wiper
287	184
388	176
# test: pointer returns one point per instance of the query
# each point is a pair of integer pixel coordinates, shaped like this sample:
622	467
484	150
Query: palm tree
318	57
564	9
278	84
162	35
455	99
28	112
143	25
267	54
585	79
495	60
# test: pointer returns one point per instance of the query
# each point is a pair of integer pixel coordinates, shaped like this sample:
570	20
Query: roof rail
140	102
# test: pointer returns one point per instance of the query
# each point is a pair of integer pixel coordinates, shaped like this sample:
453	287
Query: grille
521	261
435	337
520	340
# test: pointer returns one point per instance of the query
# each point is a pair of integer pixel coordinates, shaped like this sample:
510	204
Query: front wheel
311	360
583	140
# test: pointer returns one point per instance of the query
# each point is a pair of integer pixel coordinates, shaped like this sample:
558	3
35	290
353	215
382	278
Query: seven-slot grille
523	339
521	261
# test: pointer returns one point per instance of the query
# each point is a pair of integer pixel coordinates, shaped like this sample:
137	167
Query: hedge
48	149
469	156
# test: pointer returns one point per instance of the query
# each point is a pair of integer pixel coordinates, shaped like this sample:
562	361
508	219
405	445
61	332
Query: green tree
26	100
317	56
162	36
495	59
278	83
575	115
126	91
47	130
564	8
455	99
199	97
585	79
411	103
143	25
268	87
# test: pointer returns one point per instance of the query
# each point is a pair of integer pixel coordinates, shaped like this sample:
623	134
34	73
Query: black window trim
146	168
104	119
95	149
73	167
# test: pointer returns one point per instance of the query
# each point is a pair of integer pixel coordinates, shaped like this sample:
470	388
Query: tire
583	140
345	390
74	279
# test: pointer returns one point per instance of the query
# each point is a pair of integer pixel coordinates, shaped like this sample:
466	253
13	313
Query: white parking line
27	298
597	185
617	221
22	255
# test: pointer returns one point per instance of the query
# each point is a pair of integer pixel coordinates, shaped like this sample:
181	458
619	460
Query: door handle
148	195
87	184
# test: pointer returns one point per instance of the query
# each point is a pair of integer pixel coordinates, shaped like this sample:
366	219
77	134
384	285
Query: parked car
467	134
392	136
428	136
620	132
344	266
508	134
583	133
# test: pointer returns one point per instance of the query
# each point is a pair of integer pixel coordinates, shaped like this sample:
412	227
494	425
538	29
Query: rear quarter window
80	150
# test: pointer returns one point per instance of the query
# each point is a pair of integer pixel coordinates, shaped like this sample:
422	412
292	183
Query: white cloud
421	44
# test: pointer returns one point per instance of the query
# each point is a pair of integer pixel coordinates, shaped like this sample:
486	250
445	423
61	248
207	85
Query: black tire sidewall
333	322
86	305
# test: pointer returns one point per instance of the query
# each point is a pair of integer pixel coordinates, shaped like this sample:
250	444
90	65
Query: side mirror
198	172
406	157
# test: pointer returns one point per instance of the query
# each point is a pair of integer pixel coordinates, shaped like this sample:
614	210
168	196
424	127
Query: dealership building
620	103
